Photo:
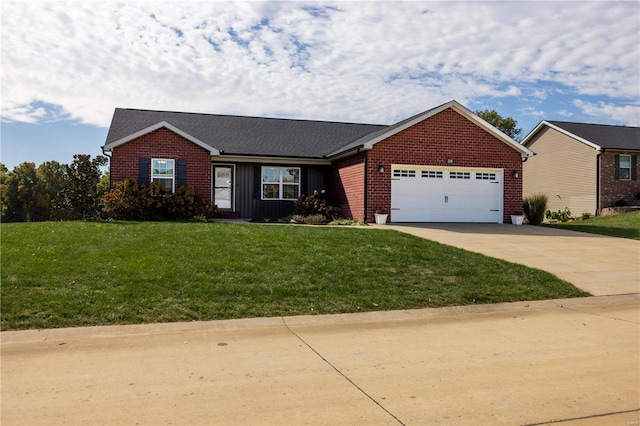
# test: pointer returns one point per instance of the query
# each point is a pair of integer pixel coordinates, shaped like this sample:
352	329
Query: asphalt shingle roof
239	135
605	136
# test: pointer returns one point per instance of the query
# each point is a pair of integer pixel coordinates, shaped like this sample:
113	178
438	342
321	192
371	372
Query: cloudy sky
66	65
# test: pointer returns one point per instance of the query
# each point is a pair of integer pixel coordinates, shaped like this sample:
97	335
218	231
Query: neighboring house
582	167
443	165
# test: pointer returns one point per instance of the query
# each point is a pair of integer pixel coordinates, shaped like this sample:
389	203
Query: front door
223	187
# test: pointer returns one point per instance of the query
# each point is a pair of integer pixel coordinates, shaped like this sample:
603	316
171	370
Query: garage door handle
446	198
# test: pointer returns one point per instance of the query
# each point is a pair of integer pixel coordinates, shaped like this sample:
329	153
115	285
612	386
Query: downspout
599	152
366	187
109	157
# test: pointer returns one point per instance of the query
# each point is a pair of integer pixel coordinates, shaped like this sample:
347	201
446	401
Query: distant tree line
53	191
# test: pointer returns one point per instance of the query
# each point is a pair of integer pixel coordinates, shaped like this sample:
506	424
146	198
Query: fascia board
564	132
456	106
234	158
369	144
524	151
161	124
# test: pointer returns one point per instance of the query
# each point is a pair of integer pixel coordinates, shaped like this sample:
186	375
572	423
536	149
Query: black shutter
304	181
617	160
143	171
634	167
257	175
181	172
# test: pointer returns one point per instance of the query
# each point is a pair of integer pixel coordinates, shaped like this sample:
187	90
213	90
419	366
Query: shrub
585	215
559	216
534	208
314	204
128	201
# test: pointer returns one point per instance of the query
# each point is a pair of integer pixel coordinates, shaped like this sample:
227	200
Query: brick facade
346	186
163	143
354	183
612	189
443	136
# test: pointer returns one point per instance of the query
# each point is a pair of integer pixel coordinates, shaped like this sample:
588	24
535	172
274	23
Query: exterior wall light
380	168
515	174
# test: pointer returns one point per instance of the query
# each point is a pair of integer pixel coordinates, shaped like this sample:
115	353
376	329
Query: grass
625	225
90	273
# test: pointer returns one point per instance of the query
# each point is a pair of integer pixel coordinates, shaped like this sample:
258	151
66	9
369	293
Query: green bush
128	201
534	208
559	216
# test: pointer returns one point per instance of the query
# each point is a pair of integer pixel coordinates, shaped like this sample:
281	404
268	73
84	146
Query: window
431	174
280	183
162	172
459	175
624	167
485	176
404	173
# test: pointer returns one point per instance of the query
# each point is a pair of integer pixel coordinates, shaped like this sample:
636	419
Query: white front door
223	187
446	194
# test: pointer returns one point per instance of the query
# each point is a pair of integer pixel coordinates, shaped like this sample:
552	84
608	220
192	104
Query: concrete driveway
594	263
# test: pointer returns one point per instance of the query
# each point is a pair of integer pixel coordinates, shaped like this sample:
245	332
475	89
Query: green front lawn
88	273
625	225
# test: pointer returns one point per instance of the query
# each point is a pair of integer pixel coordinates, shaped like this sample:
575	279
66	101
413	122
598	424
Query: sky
66	65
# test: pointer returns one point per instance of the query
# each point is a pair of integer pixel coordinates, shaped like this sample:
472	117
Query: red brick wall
346	186
163	143
612	189
447	135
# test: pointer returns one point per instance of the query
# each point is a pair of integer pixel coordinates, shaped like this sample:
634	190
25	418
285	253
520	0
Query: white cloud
625	114
353	61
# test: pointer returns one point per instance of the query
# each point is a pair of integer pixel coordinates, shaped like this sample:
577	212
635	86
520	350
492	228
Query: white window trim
173	177
280	183
620	168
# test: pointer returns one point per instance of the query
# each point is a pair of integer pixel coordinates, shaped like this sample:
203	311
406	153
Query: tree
79	196
51	177
18	190
104	185
508	125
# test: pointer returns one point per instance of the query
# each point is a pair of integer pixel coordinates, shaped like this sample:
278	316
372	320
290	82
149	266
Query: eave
109	146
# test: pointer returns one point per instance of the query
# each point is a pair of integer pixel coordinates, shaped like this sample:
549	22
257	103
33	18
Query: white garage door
446	194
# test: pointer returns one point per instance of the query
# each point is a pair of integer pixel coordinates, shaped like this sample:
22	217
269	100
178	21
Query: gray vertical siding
248	202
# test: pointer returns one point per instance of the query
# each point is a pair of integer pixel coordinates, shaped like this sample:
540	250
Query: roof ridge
592	124
249	116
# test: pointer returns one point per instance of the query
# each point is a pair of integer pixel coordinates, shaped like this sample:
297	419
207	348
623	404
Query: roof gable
597	136
110	145
368	141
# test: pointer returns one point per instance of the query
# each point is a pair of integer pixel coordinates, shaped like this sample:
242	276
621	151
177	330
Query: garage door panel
431	194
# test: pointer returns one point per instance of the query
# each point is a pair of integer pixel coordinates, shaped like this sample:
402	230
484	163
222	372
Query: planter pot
381	219
517	219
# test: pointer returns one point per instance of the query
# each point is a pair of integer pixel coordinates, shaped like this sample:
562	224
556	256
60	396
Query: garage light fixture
515	174
380	168
449	161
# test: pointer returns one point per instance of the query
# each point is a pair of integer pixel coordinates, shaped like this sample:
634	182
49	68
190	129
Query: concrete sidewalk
598	264
517	363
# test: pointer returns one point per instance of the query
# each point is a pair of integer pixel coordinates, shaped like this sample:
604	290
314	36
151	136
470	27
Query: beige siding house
582	167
